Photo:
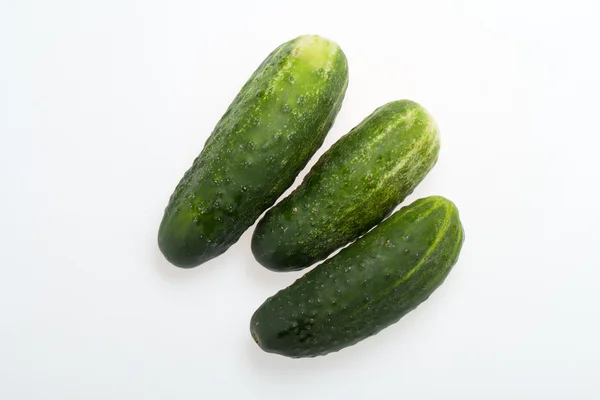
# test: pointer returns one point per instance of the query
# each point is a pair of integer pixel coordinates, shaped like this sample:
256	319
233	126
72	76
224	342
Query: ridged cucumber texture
354	185
367	286
267	135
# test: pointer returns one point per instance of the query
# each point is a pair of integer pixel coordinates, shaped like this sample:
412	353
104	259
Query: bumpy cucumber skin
354	185
365	288
267	135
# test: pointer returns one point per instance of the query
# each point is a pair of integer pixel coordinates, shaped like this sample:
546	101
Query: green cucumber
354	185
267	135
367	286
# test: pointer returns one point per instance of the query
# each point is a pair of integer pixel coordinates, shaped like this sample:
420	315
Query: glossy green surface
353	186
264	139
368	286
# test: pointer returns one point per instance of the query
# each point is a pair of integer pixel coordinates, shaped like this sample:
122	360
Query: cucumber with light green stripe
367	286
353	186
265	138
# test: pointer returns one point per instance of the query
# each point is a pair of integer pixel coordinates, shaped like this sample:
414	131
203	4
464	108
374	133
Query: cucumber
367	286
354	185
267	135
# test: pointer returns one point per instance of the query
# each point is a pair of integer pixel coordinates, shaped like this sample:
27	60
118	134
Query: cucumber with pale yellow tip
265	138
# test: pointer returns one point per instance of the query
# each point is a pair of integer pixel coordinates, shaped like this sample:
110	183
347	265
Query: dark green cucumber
368	286
354	185
267	135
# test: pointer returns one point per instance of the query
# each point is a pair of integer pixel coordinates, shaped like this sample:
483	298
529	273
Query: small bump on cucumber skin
266	136
354	185
365	288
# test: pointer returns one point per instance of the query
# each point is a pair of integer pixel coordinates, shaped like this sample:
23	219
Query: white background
104	105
